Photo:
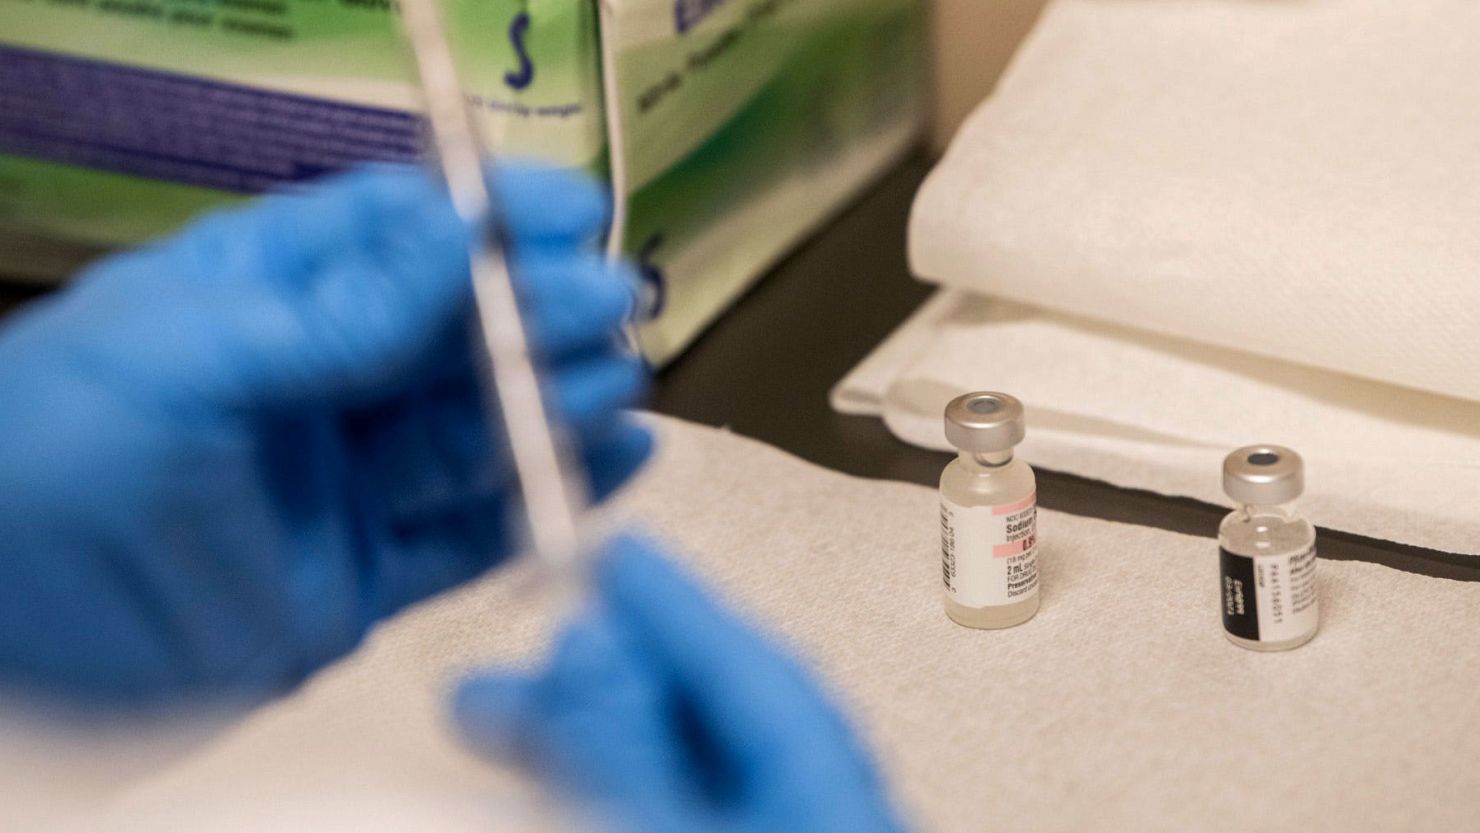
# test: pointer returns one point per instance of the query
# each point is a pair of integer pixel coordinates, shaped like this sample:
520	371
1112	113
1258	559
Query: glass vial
1267	552
988	515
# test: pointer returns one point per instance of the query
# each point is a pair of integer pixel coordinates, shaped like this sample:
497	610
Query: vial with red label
988	515
1267	552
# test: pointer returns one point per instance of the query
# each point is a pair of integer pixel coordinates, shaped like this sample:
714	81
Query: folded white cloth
1295	179
1237	222
1120	707
1156	413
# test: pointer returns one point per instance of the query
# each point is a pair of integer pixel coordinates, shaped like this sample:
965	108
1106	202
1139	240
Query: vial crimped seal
988	515
1267	552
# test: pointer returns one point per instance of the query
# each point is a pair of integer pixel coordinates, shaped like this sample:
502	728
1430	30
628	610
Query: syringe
552	488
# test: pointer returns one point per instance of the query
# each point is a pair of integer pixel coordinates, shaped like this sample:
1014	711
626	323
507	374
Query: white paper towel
1296	178
1151	412
1120	707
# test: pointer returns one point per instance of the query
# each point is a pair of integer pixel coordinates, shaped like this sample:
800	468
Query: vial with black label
988	515
1267	552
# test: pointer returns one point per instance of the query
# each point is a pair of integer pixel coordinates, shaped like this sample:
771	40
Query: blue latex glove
225	456
665	714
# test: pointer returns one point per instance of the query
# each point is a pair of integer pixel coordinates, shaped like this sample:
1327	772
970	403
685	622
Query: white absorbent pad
1151	412
1294	178
1120	707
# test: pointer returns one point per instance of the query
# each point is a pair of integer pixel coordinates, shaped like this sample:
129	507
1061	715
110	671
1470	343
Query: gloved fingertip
551	203
619	286
675	614
629	560
625	276
592	392
561	278
582	650
616	457
574	307
488	710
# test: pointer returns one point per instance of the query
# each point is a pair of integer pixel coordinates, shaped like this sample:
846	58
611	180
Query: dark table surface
765	368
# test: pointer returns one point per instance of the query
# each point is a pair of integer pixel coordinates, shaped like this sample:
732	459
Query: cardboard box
727	128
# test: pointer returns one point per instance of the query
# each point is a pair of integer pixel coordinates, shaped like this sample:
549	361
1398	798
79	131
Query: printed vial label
1269	598
989	554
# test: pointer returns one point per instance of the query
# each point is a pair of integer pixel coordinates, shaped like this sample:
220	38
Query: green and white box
727	128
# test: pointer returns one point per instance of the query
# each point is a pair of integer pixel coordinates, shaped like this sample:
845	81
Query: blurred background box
729	128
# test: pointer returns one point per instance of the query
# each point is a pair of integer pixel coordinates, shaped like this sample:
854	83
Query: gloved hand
226	455
665	714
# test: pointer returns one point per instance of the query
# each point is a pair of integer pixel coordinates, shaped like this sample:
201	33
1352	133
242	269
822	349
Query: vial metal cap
1263	474
984	422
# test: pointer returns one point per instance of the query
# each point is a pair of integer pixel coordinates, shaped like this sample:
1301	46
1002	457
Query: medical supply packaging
728	129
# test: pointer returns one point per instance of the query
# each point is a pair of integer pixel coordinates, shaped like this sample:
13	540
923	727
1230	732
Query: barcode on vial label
989	554
947	548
